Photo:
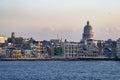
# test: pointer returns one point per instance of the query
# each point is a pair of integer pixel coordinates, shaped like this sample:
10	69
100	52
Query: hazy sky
45	19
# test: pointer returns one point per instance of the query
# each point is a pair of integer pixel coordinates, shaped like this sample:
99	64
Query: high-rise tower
13	37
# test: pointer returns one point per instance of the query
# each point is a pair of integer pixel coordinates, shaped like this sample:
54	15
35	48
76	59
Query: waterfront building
28	53
16	54
88	46
93	50
89	49
110	48
3	38
46	47
82	50
70	49
56	48
100	45
33	49
118	48
27	50
39	50
58	51
51	47
3	53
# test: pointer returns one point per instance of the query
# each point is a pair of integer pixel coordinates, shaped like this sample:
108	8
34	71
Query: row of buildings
19	47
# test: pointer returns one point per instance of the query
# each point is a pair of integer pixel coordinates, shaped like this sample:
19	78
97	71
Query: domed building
88	32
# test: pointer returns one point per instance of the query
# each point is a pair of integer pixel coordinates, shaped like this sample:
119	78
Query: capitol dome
87	28
88	32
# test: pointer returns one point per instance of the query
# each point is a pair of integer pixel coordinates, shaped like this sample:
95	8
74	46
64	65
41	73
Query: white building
118	48
80	50
92	48
3	38
28	53
70	49
88	49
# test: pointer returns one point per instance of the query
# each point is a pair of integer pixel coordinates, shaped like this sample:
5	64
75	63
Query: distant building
27	50
3	53
52	48
46	47
89	49
3	38
27	53
70	49
39	50
58	51
15	40
56	48
88	46
110	48
118	48
88	32
92	48
16	54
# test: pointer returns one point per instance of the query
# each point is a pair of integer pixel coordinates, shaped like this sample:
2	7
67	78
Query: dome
88	32
87	28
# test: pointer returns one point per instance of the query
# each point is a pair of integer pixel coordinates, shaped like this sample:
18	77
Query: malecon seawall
60	59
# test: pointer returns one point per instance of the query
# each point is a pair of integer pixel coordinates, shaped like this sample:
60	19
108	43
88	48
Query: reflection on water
59	70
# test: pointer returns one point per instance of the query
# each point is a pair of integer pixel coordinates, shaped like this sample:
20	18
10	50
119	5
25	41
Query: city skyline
47	19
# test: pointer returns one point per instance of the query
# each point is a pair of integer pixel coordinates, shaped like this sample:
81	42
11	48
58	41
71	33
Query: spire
87	22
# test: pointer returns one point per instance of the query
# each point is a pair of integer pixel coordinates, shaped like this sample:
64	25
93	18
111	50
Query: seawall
60	59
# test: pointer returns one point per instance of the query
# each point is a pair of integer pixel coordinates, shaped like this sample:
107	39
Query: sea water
59	70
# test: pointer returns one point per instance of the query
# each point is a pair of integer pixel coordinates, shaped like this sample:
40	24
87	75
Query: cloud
44	19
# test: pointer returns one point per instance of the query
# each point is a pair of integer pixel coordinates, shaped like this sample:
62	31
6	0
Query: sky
52	19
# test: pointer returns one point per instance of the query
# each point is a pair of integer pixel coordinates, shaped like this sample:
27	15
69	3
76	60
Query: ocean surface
59	70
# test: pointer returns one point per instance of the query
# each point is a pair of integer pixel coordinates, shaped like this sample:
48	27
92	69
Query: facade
118	48
110	48
70	49
56	48
39	50
58	51
93	50
88	50
16	54
3	38
46	48
3	53
28	53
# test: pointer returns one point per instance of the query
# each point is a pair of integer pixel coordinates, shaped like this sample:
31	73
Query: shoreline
60	59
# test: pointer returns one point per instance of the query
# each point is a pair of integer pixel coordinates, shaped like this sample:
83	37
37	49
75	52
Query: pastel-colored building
16	54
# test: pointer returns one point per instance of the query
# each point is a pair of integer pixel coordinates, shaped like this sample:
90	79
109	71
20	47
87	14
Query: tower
88	32
13	37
